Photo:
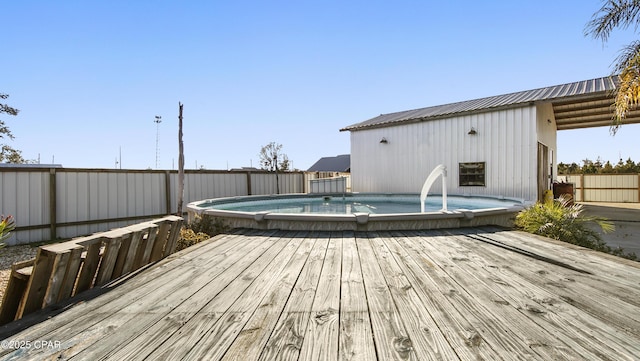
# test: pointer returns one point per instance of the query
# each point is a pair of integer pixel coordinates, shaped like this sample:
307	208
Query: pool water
378	204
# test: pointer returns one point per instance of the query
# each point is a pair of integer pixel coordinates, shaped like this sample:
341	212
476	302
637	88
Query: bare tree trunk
180	161
275	159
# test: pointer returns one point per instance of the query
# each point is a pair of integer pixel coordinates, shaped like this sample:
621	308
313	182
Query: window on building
472	174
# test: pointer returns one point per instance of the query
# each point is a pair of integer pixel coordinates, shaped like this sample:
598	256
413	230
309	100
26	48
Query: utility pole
157	121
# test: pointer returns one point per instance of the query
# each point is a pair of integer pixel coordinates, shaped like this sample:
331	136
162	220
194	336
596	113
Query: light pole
157	121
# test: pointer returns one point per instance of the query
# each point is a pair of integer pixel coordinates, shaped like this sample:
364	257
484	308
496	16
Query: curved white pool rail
439	170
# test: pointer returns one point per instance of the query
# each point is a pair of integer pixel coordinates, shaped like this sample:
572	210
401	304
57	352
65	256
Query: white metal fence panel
200	186
86	201
618	188
265	183
85	196
25	196
329	185
310	176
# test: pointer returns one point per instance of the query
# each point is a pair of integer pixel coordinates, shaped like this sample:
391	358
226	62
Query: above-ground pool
353	211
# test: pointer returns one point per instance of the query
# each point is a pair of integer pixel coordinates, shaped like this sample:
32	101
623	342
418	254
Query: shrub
201	229
188	238
560	220
208	224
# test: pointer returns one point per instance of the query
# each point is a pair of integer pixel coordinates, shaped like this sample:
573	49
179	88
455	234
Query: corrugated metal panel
611	187
505	140
265	183
24	195
206	186
580	88
86	195
605	187
94	195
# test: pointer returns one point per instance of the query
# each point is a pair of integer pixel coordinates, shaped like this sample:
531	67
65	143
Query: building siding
506	140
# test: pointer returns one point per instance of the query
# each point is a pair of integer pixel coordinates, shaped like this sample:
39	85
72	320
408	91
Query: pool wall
503	216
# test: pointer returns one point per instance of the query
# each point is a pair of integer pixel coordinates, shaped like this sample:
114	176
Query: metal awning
595	110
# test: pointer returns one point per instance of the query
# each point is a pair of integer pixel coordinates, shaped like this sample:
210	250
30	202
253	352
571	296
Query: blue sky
90	76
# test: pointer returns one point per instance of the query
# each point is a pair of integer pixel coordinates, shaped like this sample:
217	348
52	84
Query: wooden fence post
53	218
167	191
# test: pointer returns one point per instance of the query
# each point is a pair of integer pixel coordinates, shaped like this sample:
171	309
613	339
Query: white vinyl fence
328	185
52	203
619	188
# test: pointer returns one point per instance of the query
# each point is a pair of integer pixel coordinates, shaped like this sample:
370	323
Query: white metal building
502	145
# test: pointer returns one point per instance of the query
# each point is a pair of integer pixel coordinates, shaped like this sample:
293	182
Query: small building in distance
340	163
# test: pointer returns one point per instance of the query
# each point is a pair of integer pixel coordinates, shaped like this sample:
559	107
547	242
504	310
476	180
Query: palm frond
613	14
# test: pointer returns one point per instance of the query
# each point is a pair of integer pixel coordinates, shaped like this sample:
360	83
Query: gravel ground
9	256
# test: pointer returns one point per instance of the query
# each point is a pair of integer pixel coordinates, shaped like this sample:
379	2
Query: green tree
607	168
620	14
591	167
7	153
573	168
627	167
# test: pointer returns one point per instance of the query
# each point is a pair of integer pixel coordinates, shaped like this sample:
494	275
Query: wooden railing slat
16	288
37	285
71	276
160	241
58	272
149	243
65	269
123	251
89	268
172	240
130	257
109	257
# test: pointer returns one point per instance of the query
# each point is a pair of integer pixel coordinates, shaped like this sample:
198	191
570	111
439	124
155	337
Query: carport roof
582	104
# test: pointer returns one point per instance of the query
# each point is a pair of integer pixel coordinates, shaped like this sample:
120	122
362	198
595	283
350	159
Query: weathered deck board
255	334
577	323
288	334
390	335
356	342
321	338
264	295
177	306
146	286
520	312
463	332
426	337
188	321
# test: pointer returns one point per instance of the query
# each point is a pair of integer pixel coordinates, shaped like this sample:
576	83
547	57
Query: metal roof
581	104
340	163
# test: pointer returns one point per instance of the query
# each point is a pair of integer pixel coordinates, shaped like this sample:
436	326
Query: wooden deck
465	294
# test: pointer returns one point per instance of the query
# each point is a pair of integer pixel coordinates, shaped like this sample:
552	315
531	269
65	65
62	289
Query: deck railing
63	270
